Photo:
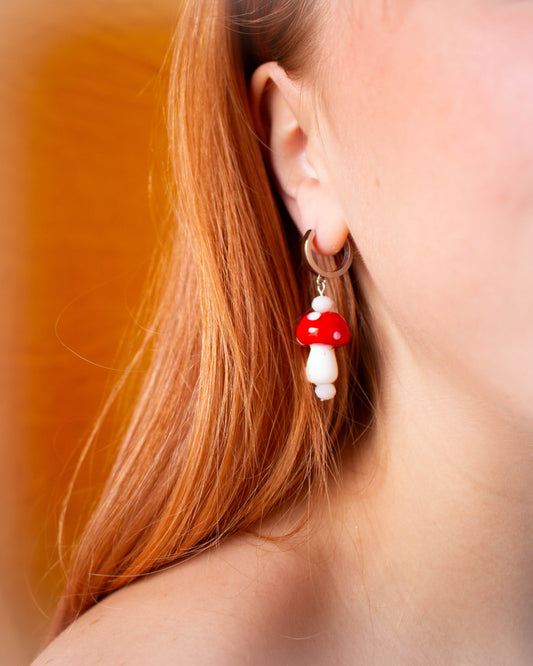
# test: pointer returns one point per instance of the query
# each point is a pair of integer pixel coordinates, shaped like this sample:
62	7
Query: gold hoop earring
307	251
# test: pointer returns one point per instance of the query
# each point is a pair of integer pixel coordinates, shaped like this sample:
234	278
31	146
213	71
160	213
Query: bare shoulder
247	601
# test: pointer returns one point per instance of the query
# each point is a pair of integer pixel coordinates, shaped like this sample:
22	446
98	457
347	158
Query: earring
322	329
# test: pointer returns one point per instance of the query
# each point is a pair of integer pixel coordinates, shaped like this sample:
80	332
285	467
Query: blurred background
79	100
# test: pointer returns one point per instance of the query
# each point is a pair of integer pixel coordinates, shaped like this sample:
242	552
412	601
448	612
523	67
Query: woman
390	523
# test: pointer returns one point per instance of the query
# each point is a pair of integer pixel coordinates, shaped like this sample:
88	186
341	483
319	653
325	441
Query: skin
424	155
423	152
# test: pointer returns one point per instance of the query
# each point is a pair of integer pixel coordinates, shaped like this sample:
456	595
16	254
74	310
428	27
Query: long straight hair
222	428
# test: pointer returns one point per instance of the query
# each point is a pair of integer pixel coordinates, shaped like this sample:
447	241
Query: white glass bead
325	391
322	304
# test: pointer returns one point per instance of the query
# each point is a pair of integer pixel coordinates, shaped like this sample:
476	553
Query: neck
431	526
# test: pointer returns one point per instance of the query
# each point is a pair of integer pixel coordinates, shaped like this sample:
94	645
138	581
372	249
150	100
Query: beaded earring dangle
322	329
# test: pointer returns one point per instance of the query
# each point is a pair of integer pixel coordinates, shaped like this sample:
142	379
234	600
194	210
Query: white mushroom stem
321	365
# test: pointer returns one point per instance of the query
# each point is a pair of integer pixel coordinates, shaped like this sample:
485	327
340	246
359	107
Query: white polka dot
337	335
313	315
312	330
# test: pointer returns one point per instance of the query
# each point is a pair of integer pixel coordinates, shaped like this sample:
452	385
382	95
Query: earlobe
278	109
319	210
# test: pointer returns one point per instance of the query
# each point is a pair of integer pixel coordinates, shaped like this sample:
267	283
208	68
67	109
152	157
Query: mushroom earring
322	329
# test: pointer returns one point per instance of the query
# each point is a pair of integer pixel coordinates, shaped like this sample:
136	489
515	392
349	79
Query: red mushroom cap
324	328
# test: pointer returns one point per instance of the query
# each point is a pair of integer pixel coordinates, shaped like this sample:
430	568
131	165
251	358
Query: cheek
439	195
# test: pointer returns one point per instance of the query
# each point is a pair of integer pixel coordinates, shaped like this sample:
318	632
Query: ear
283	122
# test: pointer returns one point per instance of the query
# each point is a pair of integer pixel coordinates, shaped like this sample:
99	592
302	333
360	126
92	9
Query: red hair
220	427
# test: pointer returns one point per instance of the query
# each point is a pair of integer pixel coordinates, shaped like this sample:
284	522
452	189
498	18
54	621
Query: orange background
78	103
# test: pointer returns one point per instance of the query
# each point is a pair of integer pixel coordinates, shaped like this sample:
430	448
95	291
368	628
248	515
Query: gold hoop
307	250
